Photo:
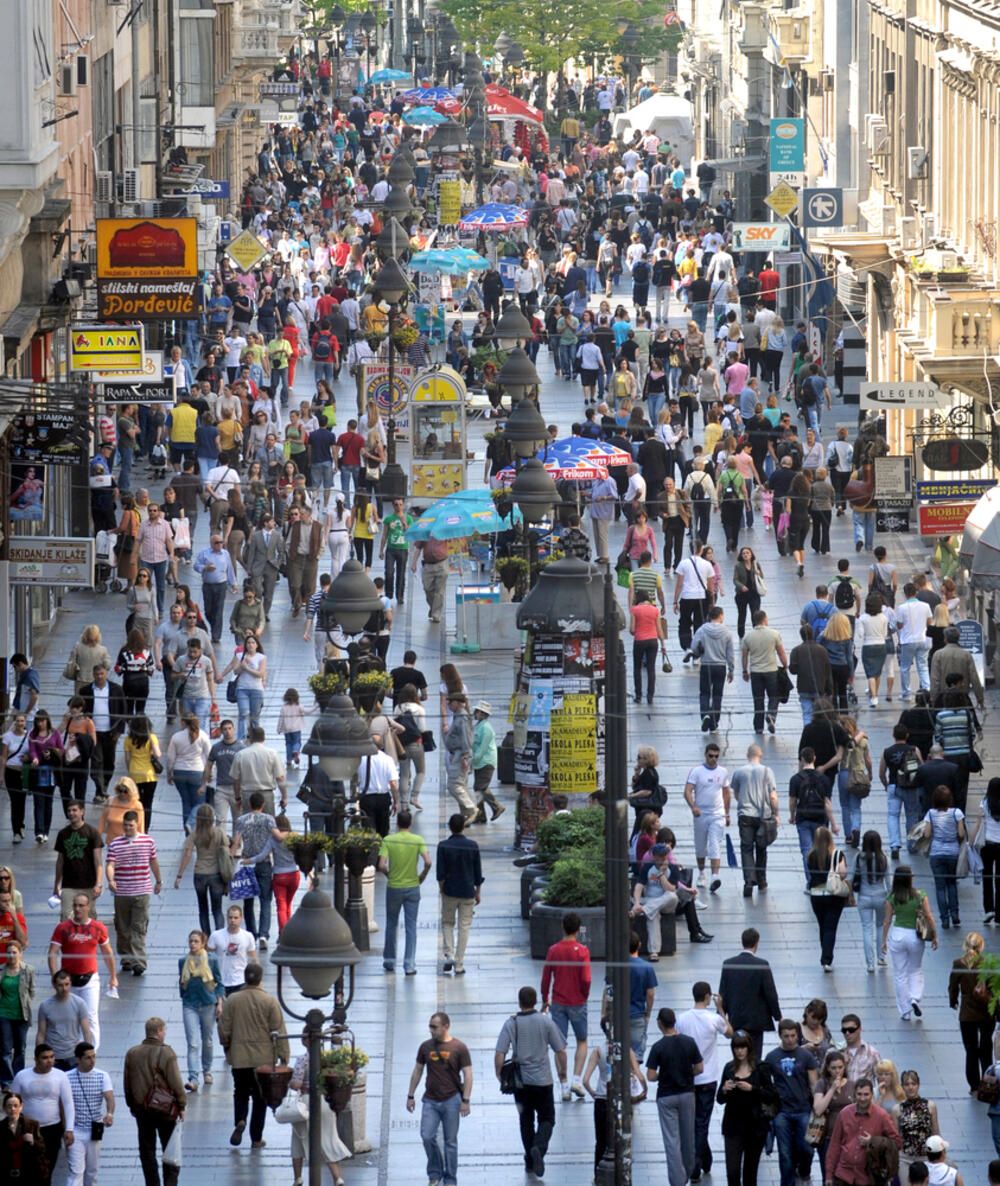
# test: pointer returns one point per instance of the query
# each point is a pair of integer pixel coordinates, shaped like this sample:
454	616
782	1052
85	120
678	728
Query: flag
819	291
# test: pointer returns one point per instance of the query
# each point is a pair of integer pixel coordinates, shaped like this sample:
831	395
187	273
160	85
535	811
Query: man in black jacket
809	662
459	875
104	703
937	771
746	987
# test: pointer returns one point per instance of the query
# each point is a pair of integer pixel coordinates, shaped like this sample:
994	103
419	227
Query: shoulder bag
816	1129
836	885
160	1099
510	1072
924	926
225	861
988	1091
293	1109
759	582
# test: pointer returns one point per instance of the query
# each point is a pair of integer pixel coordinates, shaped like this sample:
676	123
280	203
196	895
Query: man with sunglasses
861	1056
446	1097
156	549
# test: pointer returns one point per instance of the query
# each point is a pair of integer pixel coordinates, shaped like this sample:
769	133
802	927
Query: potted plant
306	847
513	574
273	1083
359	848
368	687
502	501
571	845
404	336
325	686
338	1074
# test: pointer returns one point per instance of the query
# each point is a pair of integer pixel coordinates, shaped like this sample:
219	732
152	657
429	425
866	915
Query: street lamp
392	286
368	25
336	18
512	328
525	429
449	137
630	38
535	496
520	380
393	239
350	601
315	946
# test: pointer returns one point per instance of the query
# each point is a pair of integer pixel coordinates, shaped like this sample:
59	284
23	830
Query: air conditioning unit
103	187
928	229
131	184
67	79
908	237
148	210
876	135
916	162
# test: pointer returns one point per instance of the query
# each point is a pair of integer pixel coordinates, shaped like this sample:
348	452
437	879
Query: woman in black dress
746	1092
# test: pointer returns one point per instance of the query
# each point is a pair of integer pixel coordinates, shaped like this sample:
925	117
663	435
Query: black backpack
810	801
728	489
322	350
844	597
906	772
698	491
882	588
807	396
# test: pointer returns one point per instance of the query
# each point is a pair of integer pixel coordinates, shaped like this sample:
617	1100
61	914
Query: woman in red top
639	538
291	335
647	630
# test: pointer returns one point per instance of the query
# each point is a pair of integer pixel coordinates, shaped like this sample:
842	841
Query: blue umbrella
451	262
569	450
424	116
427	94
494	216
390	76
459	515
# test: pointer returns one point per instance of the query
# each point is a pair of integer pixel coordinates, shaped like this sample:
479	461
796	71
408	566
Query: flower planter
952	277
323	699
273	1083
337	1096
545	928
305	853
528	875
357	858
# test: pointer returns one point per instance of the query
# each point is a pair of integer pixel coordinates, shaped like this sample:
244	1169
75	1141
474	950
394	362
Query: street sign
894	478
139	393
788	145
892	519
761	236
212	191
152	371
102	348
886	396
782	199
246	250
795	180
954	454
960	488
225	231
58	561
945	518
822	207
970	638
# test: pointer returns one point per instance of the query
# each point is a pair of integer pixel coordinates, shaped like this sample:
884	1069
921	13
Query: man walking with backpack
813	391
912	619
325	352
733	498
809	805
846	593
898	771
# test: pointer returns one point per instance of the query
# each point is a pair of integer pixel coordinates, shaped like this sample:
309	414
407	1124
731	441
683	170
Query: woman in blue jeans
249	665
17	987
870	890
202	995
947	826
204	842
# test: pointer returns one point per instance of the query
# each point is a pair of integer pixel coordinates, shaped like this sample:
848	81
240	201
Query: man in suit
746	987
937	771
951	659
104	703
265	555
303	546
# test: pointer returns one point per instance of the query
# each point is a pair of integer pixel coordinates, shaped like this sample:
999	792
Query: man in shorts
707	793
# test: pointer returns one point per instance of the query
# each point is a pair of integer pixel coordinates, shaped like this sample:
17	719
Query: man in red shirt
768	280
74	946
349	446
12	925
567	971
855	1126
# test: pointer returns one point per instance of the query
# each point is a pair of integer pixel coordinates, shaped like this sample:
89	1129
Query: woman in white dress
339	522
334	1149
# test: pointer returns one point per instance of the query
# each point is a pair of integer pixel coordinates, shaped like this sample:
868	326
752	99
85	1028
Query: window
197	68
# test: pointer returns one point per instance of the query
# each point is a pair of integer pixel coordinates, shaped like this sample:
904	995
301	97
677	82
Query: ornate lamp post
535	495
337	19
519	378
316	947
630	37
391	285
369	26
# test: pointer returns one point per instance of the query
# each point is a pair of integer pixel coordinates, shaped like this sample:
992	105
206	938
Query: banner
147	269
449	202
761	236
572	746
27	493
946	518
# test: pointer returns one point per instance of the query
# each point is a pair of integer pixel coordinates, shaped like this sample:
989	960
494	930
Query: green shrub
576	880
559	834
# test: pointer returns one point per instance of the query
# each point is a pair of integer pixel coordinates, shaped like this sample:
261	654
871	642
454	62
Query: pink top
736	377
637	543
645	617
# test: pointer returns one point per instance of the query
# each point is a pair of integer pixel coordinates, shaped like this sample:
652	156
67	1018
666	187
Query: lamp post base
356	915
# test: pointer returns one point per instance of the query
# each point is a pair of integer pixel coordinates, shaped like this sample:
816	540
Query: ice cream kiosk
437	433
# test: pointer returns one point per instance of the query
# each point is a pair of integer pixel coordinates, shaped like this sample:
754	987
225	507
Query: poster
546	657
577	658
48	437
519	718
449	202
435	479
540	696
27	493
531	761
572	746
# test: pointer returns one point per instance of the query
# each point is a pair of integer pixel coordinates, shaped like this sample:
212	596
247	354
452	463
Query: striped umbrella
494	216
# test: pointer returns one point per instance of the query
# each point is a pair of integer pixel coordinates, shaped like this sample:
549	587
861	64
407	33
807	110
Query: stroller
158	462
105	563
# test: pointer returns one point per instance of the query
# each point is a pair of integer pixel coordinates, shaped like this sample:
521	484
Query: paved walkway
389	1014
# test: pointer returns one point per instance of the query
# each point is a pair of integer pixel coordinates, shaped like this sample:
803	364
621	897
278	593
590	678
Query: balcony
255	44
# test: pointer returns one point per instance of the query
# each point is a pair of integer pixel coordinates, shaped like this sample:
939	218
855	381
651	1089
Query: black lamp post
368	25
630	38
392	286
520	380
315	946
337	18
535	496
513	328
350	601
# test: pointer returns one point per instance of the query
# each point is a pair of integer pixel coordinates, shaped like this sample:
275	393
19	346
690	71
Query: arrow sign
822	207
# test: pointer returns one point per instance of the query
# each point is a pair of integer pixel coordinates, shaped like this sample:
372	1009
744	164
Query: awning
982	515
738	164
18	329
985	570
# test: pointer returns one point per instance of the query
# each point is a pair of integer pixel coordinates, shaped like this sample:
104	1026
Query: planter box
545	928
668	933
528	875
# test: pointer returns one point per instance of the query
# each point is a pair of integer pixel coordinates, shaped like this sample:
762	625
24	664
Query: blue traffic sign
212	191
822	207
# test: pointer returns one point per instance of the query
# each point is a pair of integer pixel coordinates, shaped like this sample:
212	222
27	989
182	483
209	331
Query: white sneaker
702	880
700	905
577	1088
567	1096
873	702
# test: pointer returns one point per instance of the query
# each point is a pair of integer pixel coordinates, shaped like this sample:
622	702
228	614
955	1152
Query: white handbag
293	1109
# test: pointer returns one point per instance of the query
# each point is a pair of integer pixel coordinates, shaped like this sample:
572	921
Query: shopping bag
730	852
172	1152
244	884
975	864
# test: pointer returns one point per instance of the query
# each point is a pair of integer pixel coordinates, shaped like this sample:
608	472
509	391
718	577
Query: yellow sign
442	385
104	348
449	202
782	199
147	269
246	250
573	746
435	479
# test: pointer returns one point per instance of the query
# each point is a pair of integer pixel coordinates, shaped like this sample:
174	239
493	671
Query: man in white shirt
721	263
94	1105
378	788
703	1026
235	948
913	618
635	493
46	1095
630	159
706	792
756	791
695	578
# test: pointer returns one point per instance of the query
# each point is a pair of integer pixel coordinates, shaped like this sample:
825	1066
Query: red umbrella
448	106
500	102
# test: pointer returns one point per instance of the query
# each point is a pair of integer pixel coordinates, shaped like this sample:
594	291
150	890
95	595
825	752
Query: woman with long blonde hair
975	1021
125	798
837	641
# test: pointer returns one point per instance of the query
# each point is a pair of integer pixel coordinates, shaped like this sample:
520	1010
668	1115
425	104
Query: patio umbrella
494	216
587	450
501	104
424	117
427	94
564	469
448	106
451	263
459	515
390	76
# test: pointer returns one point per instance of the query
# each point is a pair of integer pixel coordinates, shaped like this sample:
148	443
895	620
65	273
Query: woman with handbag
828	890
986	841
126	545
833	1092
906	926
334	1149
18	983
948	834
870	891
45	751
639	538
187	753
86	654
125	797
916	1119
135	665
872	634
837	641
209	884
79	739
746	1092
647	793
748	586
854	780
22	1151
970	995
202	995
14	756
142	753
413	762
365	527
285	876
141	604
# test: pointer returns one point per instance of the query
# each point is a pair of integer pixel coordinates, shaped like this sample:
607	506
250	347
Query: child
290	722
182	542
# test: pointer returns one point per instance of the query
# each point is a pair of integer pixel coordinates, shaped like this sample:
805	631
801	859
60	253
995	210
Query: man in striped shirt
644	578
130	860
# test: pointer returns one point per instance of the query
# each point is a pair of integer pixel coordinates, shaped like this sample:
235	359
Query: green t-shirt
905	913
10	998
402	850
395	530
